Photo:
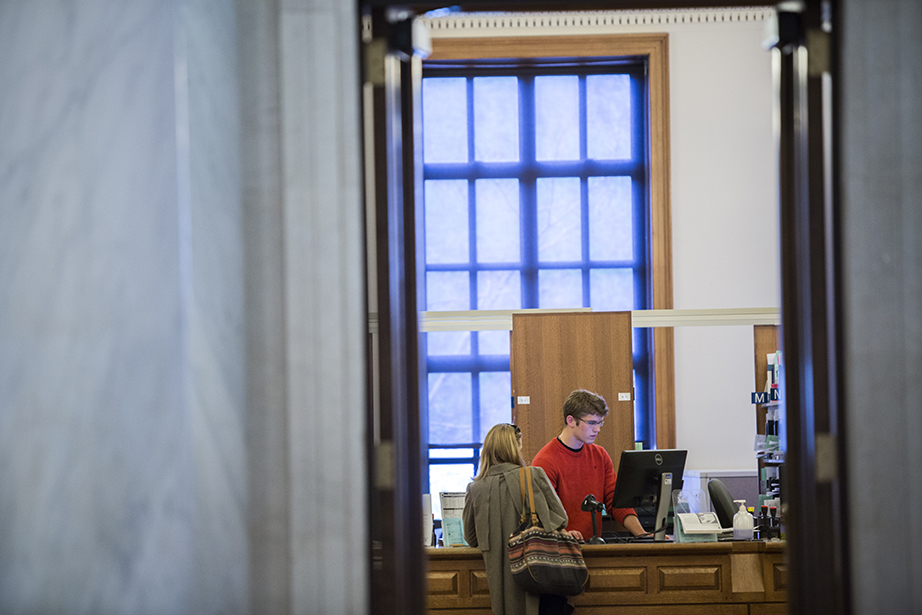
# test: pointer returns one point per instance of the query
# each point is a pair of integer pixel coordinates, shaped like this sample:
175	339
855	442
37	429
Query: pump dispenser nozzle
742	522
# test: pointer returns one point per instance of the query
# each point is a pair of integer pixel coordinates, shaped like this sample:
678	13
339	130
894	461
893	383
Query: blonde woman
492	512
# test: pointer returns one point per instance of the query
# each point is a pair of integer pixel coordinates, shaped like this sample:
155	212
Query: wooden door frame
393	436
811	328
655	48
814	484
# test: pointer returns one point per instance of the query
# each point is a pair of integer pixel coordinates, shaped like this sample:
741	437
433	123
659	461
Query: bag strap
522	491
525	475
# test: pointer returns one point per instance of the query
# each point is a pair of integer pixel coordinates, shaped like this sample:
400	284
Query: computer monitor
646	479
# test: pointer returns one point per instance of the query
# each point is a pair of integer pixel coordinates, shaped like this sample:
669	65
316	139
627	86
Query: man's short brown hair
582	403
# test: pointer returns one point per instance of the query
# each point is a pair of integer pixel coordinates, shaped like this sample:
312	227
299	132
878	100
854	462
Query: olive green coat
492	512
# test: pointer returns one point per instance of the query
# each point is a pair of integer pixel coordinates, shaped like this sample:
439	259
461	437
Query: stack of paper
700	523
452	526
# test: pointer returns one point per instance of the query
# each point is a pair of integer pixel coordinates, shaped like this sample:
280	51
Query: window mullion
528	192
643	282
584	193
472	256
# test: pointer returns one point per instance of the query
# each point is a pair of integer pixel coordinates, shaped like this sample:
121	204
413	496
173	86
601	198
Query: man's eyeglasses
592	423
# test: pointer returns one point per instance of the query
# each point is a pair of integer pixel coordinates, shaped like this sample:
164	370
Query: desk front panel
714	578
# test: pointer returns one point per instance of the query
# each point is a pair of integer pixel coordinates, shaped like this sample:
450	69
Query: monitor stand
662	506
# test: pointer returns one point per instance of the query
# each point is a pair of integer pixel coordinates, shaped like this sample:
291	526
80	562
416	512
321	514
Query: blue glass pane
445	119
496	119
639	419
559	228
495	400
557	118
499	290
497	220
493	342
611	235
441	343
446	208
608	117
450	408
450	453
447	291
560	288
450	478
611	290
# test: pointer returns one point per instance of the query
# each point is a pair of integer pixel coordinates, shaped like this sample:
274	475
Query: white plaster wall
725	225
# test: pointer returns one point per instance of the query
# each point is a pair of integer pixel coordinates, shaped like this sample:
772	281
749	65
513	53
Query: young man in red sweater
577	467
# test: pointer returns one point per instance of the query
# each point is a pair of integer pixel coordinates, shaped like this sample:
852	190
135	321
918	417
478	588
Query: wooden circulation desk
714	578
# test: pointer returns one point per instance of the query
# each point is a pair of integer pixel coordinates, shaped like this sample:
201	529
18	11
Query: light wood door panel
554	354
765	340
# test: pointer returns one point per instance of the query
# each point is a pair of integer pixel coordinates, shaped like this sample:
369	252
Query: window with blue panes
535	195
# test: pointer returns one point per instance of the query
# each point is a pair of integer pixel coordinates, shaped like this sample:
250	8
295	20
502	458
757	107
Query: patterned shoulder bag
544	561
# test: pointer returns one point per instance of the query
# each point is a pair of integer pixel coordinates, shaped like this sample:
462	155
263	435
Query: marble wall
208	125
96	441
181	339
324	304
881	260
267	425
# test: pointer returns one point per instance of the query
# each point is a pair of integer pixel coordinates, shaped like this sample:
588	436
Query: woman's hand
574	534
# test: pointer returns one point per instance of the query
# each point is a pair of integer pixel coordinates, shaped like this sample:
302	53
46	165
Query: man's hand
632	524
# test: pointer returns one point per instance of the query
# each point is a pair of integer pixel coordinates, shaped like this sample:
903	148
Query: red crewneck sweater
576	474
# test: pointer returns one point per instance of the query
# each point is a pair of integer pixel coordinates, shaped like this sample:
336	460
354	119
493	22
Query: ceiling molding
506	23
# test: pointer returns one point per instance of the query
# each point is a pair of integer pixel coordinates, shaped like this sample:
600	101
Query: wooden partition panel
554	354
765	340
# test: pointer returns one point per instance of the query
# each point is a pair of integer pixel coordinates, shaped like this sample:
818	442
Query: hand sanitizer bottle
742	522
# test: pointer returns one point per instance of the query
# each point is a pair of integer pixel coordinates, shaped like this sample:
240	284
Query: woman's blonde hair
503	444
